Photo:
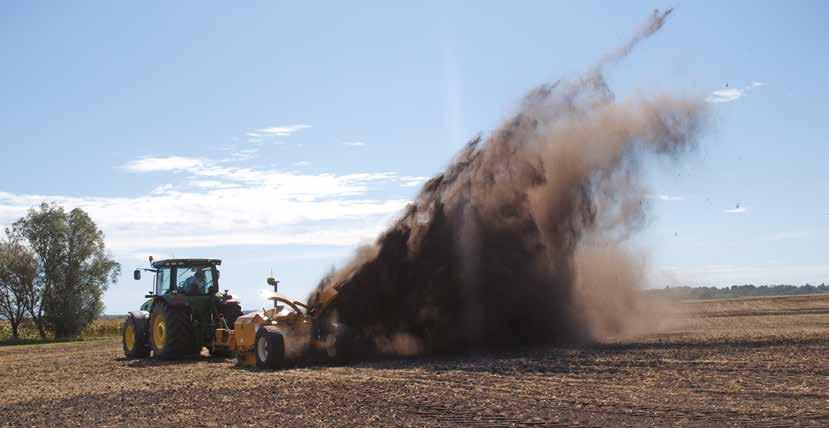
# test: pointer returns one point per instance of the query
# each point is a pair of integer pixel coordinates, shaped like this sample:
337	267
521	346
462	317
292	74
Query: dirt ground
732	362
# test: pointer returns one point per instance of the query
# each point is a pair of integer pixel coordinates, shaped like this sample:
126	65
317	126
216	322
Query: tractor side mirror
136	274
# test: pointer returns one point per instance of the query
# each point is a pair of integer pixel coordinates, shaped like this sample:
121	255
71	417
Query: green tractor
182	312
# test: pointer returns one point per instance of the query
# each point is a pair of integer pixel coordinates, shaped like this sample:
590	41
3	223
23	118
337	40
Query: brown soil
732	362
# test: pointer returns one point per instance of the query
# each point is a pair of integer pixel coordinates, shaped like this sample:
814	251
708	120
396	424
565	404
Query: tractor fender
141	323
139	315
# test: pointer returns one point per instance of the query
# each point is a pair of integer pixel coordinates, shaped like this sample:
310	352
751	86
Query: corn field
102	327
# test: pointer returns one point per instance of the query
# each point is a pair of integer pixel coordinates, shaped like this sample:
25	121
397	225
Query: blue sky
278	136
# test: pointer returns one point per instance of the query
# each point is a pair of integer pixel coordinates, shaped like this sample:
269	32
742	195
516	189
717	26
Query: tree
18	273
44	231
75	300
74	268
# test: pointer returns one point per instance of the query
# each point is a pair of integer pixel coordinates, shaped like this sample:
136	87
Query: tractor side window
194	280
162	278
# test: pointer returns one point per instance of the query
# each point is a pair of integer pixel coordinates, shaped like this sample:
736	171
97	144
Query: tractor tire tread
141	349
181	339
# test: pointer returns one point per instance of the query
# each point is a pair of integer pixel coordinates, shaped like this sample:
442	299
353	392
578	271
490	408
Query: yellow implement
269	338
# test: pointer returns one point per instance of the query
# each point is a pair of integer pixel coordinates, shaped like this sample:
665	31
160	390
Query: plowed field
730	362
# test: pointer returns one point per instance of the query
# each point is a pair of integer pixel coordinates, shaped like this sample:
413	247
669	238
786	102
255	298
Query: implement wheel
270	348
171	332
133	339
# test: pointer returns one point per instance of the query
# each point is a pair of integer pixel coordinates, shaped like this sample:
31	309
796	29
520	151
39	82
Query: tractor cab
191	277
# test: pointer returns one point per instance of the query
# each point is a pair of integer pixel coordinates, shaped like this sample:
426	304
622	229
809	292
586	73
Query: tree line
54	269
748	290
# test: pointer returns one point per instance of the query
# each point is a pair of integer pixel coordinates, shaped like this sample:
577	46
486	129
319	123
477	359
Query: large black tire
134	339
270	348
171	332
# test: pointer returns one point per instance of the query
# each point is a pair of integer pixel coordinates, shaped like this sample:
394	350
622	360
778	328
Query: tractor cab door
163	281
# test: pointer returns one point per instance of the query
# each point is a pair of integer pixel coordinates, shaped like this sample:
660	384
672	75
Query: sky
279	136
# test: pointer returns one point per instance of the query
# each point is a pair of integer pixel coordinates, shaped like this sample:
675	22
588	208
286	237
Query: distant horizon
666	288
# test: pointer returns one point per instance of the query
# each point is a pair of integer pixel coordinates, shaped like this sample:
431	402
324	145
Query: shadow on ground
155	362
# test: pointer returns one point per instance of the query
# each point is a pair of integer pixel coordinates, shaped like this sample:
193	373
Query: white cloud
354	143
253	134
215	204
732	94
211	184
171	163
160	190
665	197
738	210
725	95
282	131
412	181
245	154
301	163
288	183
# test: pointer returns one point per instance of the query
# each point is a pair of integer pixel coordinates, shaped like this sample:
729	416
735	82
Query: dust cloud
523	239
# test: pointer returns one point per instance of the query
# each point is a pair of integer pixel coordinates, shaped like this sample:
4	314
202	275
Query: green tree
75	300
74	268
44	230
18	273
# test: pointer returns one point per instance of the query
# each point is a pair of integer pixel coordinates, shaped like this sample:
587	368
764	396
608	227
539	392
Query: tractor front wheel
171	332
133	339
270	348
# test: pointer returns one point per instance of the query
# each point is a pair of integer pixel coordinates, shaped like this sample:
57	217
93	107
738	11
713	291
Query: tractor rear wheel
270	348
133	339
171	332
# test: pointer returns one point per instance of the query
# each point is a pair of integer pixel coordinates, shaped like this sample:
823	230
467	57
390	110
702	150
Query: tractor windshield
194	280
